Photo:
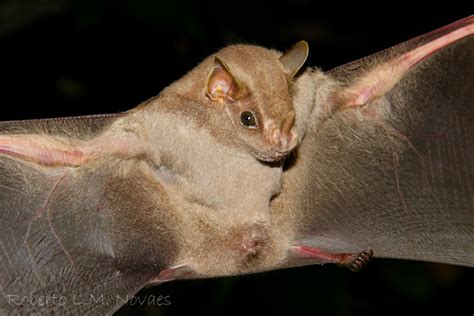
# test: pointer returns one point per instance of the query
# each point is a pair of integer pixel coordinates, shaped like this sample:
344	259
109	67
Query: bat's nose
284	137
287	123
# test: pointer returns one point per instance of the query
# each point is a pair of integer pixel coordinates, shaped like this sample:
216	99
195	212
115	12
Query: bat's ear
221	84
294	58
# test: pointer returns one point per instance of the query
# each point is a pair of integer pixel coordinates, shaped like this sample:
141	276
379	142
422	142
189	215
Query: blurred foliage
62	58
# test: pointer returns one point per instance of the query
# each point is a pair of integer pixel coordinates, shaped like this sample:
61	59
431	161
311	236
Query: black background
65	58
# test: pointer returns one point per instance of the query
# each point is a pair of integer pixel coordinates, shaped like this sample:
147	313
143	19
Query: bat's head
246	93
251	85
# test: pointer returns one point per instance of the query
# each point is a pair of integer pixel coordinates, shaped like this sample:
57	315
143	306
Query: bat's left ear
294	58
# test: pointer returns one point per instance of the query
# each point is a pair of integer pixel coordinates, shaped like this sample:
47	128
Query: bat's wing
393	168
77	236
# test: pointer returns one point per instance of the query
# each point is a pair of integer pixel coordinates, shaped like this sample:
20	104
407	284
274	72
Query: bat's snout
282	136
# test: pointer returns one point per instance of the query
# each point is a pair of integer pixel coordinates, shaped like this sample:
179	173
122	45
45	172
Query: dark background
63	58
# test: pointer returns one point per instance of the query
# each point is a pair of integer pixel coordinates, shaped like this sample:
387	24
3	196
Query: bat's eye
248	119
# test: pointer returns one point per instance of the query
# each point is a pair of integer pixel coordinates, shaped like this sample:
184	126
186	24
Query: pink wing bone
55	151
42	150
384	77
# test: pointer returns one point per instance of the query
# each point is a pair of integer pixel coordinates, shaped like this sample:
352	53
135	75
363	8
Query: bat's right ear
221	84
294	58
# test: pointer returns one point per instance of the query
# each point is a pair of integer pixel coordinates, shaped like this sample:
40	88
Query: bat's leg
173	273
352	261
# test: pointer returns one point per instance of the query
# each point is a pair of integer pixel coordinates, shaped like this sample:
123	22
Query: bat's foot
360	260
354	262
173	273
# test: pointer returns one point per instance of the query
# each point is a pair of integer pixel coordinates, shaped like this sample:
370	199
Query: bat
74	187
323	240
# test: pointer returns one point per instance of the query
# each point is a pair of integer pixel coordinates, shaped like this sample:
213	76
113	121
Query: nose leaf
286	138
287	123
276	137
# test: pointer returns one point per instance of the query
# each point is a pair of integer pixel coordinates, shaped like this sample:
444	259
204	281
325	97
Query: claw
360	261
354	262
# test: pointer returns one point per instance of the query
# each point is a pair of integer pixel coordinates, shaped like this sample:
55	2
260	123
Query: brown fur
266	85
219	191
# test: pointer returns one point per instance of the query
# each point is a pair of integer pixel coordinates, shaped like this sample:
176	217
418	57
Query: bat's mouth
270	155
274	157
